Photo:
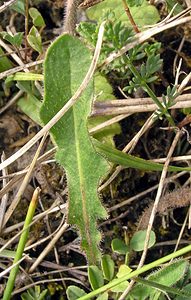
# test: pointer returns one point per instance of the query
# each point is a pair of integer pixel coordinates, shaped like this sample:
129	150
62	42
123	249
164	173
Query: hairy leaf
95	277
66	64
167	276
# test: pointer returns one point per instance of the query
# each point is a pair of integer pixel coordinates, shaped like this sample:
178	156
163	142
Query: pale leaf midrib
81	179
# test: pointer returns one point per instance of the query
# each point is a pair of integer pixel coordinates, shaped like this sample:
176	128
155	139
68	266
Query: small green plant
153	286
34	294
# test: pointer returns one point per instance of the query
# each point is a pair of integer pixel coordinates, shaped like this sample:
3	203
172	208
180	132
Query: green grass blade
66	64
130	161
21	246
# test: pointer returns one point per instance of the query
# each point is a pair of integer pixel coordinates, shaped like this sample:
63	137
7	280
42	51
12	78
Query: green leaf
34	39
74	292
167	276
5	63
165	289
15	39
7	253
30	105
103	91
130	161
119	246
36	16
19	6
135	2
186	288
22	76
138	240
104	296
108	267
95	277
123	270
120	288
145	14
63	74
171	5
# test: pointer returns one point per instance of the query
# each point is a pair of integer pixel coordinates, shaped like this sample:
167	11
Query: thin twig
41	282
12	266
175	158
181	231
6	5
4	199
11	102
134	101
35	219
20	68
130	17
40	242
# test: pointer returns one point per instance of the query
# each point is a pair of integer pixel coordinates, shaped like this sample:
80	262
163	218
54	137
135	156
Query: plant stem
130	17
150	92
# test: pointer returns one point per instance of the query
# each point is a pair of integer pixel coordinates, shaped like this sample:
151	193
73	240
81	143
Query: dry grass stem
159	193
35	219
23	186
20	68
108	123
17	177
4	199
6	5
129	147
121	108
54	208
3	273
176	158
154	210
42	282
181	231
11	102
48	247
46	238
149	190
16	58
